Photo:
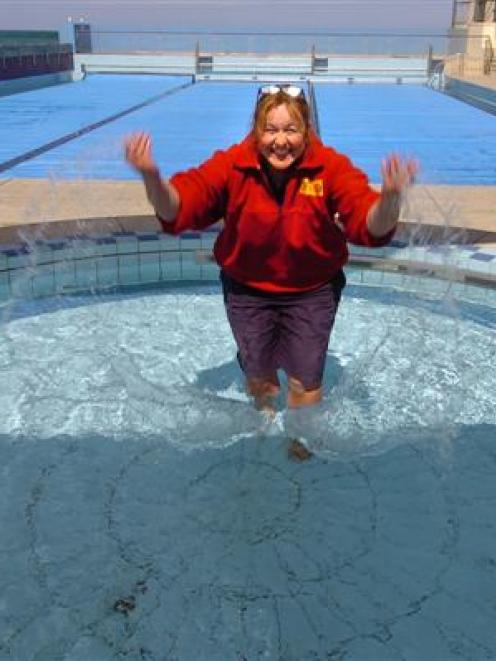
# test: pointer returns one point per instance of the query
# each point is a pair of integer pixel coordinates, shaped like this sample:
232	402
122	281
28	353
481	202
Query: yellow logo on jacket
313	188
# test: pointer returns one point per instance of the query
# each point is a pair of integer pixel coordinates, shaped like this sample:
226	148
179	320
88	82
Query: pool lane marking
33	153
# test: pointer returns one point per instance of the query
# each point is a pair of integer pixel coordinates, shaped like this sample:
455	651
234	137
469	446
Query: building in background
472	51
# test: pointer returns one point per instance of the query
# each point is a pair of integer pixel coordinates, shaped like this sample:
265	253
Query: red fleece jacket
290	247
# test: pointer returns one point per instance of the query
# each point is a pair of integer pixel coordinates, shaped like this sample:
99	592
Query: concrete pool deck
45	207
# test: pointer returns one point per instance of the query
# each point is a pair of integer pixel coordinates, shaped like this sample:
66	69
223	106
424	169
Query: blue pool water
454	142
31	119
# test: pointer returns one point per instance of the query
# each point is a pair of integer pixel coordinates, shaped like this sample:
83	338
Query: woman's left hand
397	173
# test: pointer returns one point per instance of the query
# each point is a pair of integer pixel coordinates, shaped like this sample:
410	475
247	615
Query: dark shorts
282	331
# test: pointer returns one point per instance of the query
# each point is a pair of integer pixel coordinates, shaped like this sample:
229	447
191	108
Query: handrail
314	112
436	79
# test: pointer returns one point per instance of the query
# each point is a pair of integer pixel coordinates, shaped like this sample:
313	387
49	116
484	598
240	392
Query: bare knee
264	391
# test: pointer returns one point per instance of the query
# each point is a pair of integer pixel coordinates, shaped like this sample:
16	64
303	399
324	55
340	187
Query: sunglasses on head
291	90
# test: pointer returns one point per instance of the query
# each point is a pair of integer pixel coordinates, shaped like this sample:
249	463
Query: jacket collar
247	157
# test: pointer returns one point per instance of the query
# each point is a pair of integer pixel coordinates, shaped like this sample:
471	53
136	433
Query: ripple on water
163	363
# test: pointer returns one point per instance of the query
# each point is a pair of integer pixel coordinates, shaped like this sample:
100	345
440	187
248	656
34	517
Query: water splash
139	367
184	414
408	363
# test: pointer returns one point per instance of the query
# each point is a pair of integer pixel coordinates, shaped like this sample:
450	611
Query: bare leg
264	391
297	398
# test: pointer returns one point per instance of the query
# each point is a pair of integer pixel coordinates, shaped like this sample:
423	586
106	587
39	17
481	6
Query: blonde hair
297	108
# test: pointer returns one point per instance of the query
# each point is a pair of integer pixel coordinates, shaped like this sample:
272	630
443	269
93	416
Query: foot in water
297	451
271	422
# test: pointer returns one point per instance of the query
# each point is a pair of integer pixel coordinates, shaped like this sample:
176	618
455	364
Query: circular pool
150	513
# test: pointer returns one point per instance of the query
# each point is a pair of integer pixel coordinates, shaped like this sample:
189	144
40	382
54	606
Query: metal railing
314	112
436	78
325	43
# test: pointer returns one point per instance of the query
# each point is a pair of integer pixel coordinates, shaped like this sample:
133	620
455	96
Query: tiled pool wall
89	263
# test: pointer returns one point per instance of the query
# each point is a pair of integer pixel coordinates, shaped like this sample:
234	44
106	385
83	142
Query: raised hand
397	173
160	192
138	152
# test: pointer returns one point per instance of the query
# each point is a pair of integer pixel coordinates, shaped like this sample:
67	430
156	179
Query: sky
229	14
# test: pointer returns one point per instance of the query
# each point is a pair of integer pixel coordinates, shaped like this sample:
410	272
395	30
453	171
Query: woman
289	206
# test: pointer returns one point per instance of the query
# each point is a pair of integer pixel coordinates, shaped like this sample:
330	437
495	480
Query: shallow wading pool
150	512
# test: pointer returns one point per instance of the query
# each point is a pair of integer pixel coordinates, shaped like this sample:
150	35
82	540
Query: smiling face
282	138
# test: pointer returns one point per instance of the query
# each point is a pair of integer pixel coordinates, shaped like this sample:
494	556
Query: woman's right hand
138	152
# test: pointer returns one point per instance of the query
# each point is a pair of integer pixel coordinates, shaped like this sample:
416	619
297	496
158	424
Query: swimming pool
454	142
150	511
